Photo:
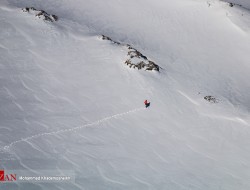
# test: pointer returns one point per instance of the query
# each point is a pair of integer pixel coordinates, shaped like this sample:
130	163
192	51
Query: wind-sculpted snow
66	96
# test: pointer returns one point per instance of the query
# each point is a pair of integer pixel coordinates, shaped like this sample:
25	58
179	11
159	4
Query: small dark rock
211	99
40	13
26	9
106	38
55	17
144	57
109	39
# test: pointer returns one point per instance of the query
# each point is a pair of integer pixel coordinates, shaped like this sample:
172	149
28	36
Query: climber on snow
147	104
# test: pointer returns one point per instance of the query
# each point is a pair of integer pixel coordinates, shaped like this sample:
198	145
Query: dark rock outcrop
234	4
211	99
41	14
109	39
135	58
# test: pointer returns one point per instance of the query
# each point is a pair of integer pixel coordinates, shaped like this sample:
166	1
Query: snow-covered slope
68	101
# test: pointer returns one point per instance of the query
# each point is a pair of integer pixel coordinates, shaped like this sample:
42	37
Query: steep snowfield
68	101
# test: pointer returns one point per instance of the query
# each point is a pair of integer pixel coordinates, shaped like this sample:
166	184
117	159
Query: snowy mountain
72	99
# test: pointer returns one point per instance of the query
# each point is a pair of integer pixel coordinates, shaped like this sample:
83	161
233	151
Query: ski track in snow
70	129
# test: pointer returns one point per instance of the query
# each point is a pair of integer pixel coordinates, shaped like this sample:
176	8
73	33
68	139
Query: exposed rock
140	61
109	39
106	38
211	99
41	14
135	58
28	9
234	4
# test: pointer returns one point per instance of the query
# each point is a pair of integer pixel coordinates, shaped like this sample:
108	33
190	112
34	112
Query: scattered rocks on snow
233	4
41	14
211	99
109	39
135	58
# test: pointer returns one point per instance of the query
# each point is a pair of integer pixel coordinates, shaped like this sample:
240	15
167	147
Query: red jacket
145	102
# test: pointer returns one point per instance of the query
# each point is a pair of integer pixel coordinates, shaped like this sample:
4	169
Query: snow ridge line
70	129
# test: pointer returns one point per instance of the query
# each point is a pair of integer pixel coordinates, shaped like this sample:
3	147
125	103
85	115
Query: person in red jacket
147	104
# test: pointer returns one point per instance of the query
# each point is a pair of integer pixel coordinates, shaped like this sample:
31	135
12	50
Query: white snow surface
68	101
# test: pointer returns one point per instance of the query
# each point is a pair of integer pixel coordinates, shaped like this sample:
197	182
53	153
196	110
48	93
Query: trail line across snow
70	129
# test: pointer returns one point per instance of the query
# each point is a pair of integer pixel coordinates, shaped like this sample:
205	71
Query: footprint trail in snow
70	129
